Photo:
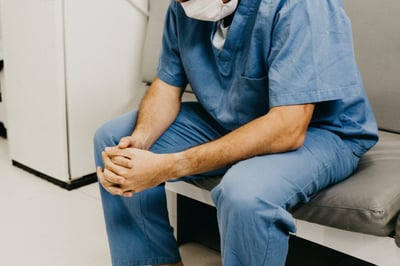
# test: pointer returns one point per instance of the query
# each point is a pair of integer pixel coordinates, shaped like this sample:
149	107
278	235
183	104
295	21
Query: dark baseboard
74	184
3	130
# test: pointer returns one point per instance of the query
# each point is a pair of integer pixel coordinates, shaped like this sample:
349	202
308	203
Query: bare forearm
157	111
127	170
265	135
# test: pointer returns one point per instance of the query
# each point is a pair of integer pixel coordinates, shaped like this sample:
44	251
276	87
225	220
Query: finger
122	161
127	191
110	188
125	142
112	178
115	151
113	190
128	194
100	175
102	180
110	165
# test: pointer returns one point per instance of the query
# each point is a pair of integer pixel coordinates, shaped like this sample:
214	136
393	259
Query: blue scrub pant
252	199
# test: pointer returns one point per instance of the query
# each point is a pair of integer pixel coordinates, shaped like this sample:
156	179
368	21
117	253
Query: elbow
296	141
294	121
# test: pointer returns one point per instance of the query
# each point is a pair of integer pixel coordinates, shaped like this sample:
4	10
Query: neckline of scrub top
241	20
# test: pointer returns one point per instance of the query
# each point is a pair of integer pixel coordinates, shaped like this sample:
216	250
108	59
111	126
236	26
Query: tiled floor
44	225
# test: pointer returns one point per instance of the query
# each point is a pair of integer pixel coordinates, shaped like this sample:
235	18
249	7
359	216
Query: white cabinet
2	107
70	65
3	122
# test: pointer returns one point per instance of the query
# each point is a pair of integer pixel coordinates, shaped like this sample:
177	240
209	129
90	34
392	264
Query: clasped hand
128	170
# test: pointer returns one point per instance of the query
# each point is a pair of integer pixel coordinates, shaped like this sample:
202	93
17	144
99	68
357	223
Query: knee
234	195
111	132
237	197
104	137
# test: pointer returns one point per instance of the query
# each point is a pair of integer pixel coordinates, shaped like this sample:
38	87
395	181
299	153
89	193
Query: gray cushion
368	201
207	183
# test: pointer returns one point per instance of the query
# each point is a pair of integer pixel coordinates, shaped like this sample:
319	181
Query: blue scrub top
277	52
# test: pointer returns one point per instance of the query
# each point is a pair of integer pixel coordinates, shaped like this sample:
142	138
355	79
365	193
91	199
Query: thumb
124	143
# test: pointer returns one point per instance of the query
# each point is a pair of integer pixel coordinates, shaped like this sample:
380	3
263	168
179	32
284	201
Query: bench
359	216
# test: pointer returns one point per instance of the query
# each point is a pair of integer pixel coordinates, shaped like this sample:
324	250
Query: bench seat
368	202
359	216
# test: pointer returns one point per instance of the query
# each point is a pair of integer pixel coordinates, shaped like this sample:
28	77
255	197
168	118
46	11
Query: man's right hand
126	142
132	142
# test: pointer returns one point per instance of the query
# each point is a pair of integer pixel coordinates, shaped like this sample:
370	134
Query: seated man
281	114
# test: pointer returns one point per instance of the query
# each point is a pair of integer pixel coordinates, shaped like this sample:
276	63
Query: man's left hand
132	170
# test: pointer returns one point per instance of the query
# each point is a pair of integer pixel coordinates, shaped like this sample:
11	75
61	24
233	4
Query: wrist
140	140
177	165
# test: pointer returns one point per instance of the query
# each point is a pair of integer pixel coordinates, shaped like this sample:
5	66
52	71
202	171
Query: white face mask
209	10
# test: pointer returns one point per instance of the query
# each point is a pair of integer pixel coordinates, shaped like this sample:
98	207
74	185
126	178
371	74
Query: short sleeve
311	58
170	69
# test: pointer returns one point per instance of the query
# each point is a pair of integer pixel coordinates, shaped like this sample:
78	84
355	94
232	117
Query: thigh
112	131
193	126
286	179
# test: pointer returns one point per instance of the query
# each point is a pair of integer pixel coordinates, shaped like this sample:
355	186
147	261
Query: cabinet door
103	47
34	84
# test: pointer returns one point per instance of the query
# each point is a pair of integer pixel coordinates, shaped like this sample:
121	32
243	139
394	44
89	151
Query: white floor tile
196	255
91	191
44	225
